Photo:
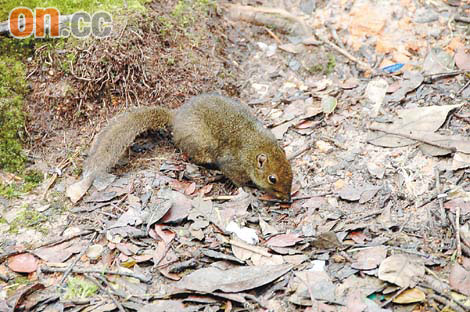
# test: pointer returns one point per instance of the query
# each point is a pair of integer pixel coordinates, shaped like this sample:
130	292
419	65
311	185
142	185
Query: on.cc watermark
23	23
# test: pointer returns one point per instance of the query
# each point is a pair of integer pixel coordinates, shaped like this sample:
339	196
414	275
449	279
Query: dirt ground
369	99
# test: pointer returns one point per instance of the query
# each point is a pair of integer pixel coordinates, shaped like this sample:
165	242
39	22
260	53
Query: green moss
70	6
9	191
31	179
12	90
186	11
16	283
327	68
315	69
330	66
79	288
27	218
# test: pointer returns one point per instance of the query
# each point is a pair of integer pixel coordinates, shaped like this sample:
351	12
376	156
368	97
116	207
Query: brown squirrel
212	129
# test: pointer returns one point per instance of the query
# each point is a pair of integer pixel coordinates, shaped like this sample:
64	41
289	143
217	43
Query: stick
457	233
141	278
444	222
250	248
117	303
74	262
245	10
463	88
344	52
428	137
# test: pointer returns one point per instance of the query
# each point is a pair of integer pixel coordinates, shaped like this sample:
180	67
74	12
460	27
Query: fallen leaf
20	295
317	283
219	255
358	237
165	306
350	193
402	270
350	83
460	161
243	233
266	228
328	104
130	217
23	263
459	279
238	279
180	205
437	61
413	295
411	81
283	240
292	48
369	258
375	93
60	252
462	59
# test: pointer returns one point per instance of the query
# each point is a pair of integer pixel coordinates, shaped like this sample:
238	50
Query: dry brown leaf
369	258
23	263
413	295
283	240
459	279
239	279
462	59
402	270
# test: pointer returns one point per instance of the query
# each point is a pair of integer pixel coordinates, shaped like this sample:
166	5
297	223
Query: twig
457	233
255	299
61	240
370	214
141	278
167	247
344	52
449	303
121	294
4	278
276	38
311	196
222	197
250	248
444	222
463	88
300	151
428	137
74	262
443	291
398	293
244	12
462	19
117	303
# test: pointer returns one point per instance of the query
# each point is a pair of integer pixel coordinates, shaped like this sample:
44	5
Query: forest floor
368	99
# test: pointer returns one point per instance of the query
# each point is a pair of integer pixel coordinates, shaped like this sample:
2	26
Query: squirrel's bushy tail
114	139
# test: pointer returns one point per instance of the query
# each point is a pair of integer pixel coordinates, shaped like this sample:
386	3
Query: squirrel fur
212	129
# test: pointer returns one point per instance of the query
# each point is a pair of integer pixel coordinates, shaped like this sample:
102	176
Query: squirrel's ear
261	160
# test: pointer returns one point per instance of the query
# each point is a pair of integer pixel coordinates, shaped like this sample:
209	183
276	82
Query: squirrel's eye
272	179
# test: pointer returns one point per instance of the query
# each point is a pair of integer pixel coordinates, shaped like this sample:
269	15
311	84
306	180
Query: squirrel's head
273	173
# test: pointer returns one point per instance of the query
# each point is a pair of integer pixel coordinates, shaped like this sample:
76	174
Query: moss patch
28	218
12	90
31	179
79	288
70	6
